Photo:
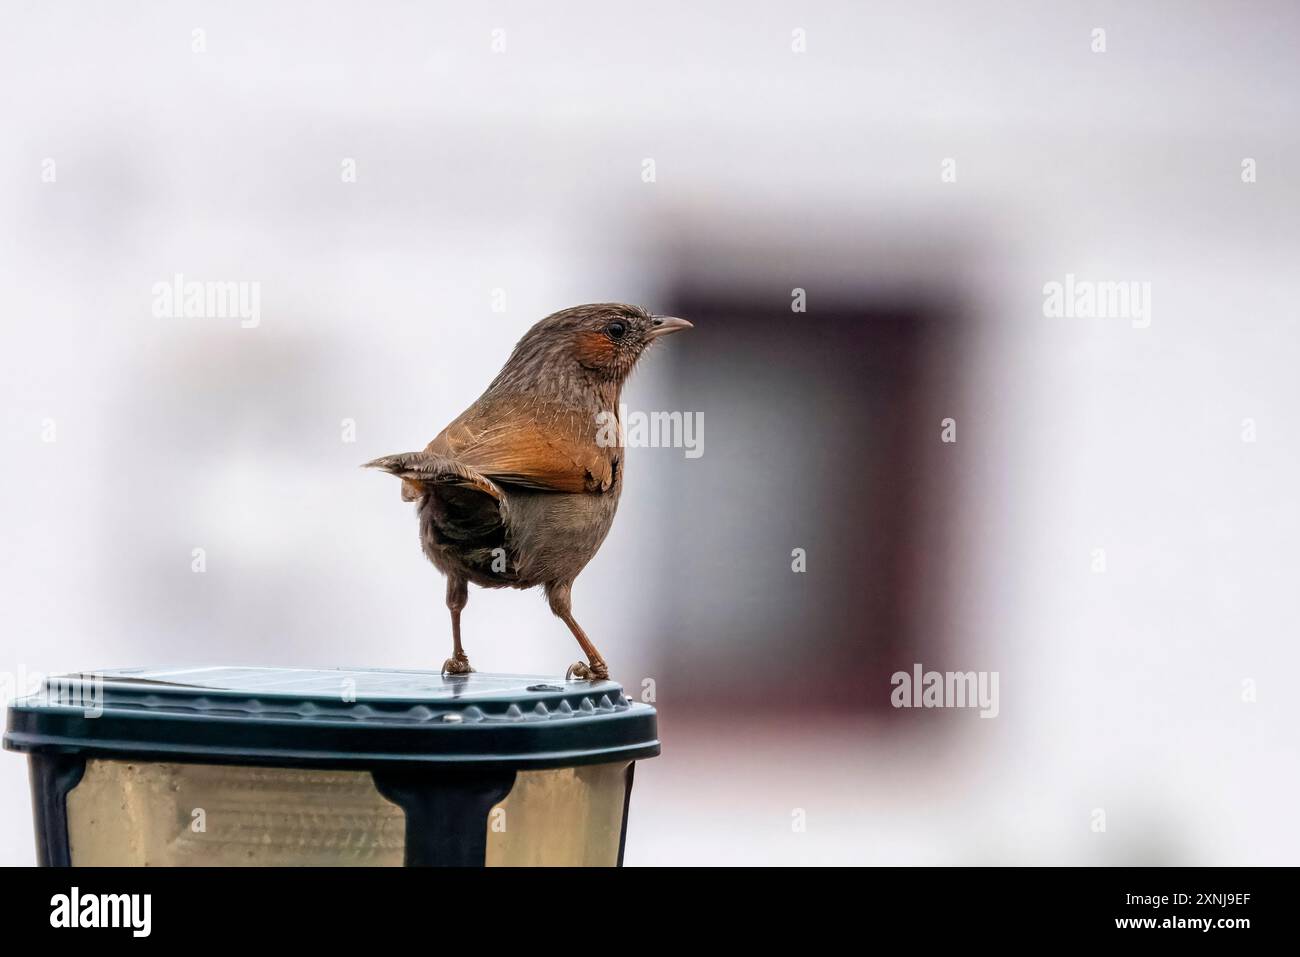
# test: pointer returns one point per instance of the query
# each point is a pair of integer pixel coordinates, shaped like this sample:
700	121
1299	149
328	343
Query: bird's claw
457	665
582	671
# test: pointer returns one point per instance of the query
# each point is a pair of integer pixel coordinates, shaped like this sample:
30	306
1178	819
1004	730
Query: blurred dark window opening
822	432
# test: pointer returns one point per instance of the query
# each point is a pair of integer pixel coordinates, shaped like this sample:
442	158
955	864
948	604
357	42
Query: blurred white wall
521	171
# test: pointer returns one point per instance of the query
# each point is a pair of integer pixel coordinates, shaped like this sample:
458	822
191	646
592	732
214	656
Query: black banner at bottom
364	907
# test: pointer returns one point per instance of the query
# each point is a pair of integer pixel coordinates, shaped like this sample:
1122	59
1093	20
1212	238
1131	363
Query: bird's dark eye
616	329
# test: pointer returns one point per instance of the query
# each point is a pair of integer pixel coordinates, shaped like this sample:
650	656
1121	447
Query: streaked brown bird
521	489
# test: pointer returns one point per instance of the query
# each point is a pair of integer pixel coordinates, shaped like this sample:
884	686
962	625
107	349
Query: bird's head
604	338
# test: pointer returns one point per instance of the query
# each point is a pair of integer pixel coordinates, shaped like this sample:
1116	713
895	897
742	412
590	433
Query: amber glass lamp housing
273	766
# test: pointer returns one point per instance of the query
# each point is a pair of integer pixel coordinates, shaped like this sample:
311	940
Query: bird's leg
457	598
594	667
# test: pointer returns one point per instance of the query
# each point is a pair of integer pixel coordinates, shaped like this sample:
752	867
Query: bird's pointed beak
663	325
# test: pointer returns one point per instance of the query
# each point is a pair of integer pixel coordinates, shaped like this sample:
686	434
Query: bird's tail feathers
419	470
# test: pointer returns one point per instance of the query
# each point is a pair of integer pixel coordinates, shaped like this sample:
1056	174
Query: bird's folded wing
532	444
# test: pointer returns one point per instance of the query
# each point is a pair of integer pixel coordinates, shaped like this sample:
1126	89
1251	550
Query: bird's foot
457	665
582	671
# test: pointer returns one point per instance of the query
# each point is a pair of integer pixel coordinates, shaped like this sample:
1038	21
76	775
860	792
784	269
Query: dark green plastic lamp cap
342	718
